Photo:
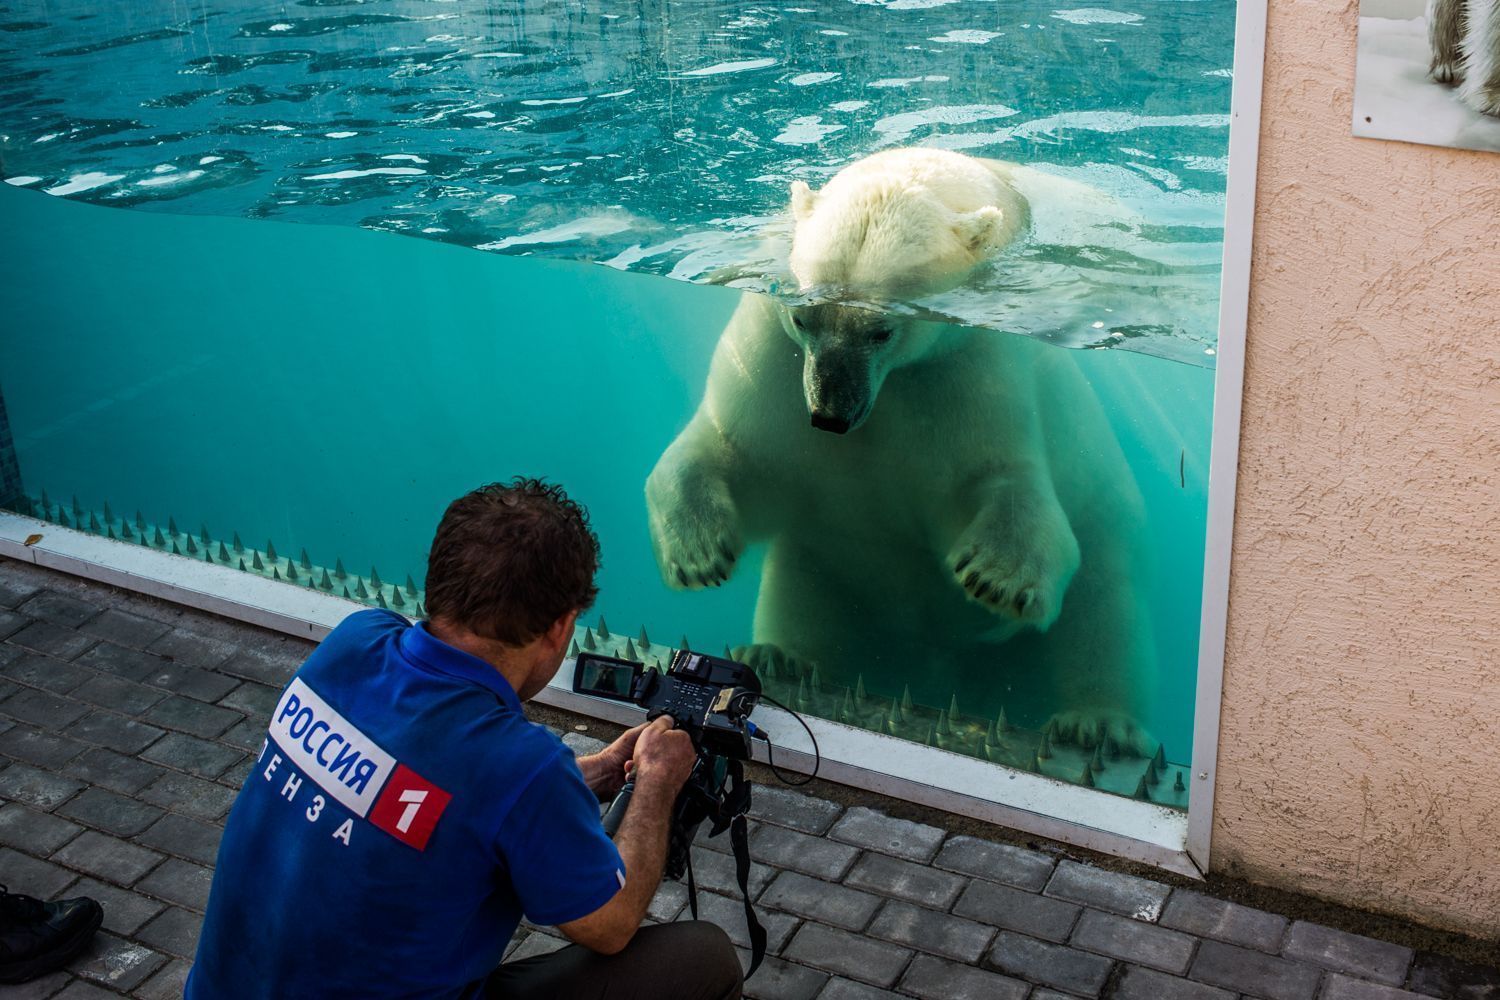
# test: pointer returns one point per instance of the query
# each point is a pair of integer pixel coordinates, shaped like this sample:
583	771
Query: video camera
709	698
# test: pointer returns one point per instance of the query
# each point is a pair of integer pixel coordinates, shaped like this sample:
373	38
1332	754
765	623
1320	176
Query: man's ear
803	200
562	630
978	229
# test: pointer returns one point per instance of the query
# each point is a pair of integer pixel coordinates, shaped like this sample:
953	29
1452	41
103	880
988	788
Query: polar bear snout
827	422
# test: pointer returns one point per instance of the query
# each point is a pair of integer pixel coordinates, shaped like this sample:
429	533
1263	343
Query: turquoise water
203	361
658	137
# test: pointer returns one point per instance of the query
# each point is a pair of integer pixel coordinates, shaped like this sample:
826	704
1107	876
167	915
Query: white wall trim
1031	803
1234	300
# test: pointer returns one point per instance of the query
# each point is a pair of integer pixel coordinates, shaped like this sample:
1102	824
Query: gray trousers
690	960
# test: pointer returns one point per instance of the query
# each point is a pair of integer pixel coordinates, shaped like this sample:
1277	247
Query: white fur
903	221
1480	89
967	448
1464	36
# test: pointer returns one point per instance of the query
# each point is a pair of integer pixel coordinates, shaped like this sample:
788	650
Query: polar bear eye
881	335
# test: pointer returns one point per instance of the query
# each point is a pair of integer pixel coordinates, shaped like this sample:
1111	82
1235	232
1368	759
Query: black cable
771	757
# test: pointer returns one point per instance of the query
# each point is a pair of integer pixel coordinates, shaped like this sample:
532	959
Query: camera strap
736	805
730	813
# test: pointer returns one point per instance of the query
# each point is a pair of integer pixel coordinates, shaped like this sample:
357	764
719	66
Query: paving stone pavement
127	724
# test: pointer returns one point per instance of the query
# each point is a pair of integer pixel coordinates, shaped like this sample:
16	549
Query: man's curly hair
509	559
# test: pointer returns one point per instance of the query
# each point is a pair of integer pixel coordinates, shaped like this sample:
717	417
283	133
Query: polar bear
944	508
1464	36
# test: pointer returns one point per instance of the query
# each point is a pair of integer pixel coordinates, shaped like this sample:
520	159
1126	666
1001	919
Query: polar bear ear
979	229
803	200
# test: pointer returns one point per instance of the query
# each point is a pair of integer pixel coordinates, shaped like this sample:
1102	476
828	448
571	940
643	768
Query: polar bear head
892	227
847	352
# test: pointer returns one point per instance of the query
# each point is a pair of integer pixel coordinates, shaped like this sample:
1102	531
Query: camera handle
617	809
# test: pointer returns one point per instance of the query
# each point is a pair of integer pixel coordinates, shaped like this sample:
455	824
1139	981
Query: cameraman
403	813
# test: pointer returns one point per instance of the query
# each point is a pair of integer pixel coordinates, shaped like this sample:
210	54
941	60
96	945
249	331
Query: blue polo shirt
399	820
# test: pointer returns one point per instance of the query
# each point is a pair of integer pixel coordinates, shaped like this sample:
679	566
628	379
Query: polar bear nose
824	422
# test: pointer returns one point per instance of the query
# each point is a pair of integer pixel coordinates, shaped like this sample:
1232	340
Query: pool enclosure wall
922	751
1359	735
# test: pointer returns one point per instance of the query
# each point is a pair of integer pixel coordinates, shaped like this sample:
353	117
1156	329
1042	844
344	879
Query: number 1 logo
409	807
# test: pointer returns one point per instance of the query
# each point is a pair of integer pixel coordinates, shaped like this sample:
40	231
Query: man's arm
664	758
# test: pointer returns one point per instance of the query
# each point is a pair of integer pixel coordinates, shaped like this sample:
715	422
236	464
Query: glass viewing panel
923	436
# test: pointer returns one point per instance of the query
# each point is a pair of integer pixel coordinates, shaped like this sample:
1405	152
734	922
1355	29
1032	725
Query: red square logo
409	807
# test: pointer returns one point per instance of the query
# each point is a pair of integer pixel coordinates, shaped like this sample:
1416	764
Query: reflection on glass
870	469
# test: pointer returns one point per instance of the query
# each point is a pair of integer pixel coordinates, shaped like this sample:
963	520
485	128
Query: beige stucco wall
1360	747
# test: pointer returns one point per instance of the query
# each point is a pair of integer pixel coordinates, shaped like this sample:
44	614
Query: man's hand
663	759
664	756
604	772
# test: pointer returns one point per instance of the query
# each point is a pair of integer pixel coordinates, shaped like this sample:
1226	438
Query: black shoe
38	937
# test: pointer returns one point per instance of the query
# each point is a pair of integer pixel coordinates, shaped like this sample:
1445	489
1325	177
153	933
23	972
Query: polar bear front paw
1017	573
697	538
1091	727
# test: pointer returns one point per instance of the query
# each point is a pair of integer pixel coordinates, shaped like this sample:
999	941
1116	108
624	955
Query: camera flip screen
606	678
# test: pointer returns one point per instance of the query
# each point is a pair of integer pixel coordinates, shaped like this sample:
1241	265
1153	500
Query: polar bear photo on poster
944	508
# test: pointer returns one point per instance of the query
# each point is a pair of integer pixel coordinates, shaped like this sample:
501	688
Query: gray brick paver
255	700
191	754
873	962
901	837
40	989
274	668
26	874
1341	987
1363	957
108	858
1015	909
179	882
116	963
715	872
1114	891
33	746
191	682
112	770
118	694
848	989
935	979
61	609
106	729
124	629
167	983
35	787
184	837
56	640
109	812
130	664
174	931
1253	972
1133	941
12	622
931	931
30	830
821	901
193	717
1049	964
1017	866
778	980
797	810
788	848
1137	983
906	880
1223	920
47	673
124	911
730	914
192	649
80	989
46	711
189	795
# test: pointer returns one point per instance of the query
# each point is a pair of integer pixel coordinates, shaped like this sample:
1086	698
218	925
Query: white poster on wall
1428	71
